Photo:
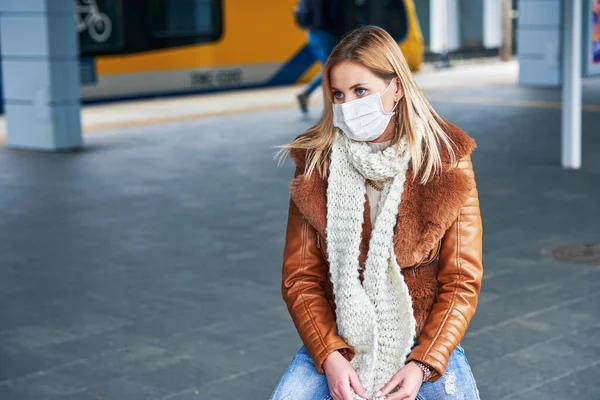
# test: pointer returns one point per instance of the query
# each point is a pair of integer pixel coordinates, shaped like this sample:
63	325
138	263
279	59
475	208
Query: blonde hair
374	48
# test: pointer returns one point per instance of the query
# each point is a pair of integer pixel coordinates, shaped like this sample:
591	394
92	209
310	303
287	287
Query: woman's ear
399	93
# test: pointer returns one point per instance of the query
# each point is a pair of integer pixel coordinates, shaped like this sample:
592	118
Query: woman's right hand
342	378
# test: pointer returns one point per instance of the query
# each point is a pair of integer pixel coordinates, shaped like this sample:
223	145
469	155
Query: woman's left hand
409	378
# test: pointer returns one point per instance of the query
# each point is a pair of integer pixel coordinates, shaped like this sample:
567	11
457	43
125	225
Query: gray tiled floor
148	266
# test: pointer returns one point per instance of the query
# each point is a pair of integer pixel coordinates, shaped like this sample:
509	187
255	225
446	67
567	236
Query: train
150	48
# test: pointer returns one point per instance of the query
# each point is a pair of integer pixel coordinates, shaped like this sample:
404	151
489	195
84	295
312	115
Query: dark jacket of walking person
323	31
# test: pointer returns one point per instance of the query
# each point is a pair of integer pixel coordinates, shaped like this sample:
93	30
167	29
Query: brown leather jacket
438	244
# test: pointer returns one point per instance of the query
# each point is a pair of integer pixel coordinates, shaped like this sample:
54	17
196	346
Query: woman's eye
361	91
338	95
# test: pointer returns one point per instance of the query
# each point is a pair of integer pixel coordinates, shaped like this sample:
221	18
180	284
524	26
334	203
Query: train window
180	22
99	23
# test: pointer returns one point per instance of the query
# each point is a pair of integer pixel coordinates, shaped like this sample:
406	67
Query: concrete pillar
492	23
40	71
538	35
445	33
571	90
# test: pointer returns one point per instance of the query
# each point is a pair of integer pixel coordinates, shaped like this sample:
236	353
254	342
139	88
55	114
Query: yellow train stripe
310	72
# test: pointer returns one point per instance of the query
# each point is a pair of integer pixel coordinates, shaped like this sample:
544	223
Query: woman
382	263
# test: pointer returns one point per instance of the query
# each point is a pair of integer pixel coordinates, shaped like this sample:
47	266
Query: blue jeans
321	43
302	381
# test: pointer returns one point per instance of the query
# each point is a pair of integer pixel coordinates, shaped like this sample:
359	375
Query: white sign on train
216	77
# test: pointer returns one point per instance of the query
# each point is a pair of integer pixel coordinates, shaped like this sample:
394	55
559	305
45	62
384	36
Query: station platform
110	116
148	265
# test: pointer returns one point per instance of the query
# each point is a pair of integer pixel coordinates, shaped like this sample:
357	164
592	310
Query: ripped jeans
302	381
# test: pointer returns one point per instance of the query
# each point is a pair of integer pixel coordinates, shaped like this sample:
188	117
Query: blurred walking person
321	19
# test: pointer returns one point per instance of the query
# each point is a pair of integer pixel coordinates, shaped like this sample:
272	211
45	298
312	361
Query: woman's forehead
347	73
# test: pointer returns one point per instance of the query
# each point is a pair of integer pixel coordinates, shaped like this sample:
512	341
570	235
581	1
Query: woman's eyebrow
357	85
351	87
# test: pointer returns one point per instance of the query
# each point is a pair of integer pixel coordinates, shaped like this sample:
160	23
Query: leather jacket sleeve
459	276
304	291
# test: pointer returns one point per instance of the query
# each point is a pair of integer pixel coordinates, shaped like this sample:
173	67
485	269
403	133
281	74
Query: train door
398	17
388	14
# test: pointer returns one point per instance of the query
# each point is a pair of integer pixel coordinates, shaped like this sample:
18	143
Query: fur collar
424	215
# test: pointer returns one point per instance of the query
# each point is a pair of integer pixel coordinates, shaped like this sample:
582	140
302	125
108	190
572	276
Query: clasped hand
342	380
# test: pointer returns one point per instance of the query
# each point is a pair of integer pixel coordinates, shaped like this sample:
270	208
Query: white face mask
363	119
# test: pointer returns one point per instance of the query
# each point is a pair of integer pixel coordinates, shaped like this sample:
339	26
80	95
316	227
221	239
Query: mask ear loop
395	105
396	116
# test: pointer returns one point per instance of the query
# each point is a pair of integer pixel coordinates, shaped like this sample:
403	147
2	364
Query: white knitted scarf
374	317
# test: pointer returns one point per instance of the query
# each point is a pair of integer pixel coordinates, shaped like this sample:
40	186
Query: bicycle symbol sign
88	16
